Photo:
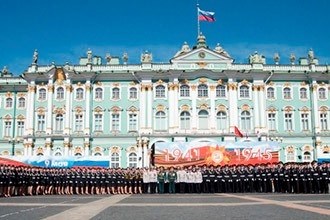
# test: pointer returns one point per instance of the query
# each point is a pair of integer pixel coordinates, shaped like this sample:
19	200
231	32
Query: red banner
187	154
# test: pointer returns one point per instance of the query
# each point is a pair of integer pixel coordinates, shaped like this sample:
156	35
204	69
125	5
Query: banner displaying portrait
219	153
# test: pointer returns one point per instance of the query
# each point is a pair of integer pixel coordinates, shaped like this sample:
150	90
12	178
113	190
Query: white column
143	107
66	145
194	107
68	108
262	110
30	109
26	151
175	104
233	108
315	110
212	119
49	113
256	101
86	148
88	107
145	150
171	106
139	153
149	108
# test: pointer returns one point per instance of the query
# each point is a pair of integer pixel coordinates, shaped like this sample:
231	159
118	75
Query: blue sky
63	30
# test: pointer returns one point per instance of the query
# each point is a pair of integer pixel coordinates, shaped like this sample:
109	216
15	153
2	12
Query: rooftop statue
89	56
311	55
35	57
220	50
125	58
255	58
146	57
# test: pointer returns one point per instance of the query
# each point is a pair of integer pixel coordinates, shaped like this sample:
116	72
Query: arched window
97	154
9	103
78	155
115	93
185	120
98	122
220	91
78	122
60	93
160	121
114	160
21	102
244	92
133	93
307	156
40	154
184	91
221	120
203	90
245	120
287	93
79	94
324	121
132	160
203	119
270	93
42	94
115	122
58	154
59	123
160	91
98	93
303	93
322	93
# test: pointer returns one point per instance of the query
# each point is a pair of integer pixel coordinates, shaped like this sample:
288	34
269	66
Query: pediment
202	55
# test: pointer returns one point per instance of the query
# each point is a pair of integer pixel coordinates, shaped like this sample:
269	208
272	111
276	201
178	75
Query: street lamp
13	142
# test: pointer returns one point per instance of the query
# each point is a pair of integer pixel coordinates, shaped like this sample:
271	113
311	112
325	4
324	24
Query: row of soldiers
20	181
265	178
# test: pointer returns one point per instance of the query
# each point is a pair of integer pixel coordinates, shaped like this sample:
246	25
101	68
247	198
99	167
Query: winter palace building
110	107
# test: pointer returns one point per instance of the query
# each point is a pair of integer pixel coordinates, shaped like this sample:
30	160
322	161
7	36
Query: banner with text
220	153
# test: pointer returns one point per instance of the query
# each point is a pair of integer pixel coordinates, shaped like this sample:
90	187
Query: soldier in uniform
171	177
153	180
161	178
146	180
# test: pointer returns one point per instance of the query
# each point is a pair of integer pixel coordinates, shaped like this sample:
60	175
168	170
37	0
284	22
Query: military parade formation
260	178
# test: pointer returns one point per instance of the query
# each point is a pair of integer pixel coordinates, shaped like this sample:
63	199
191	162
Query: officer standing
161	178
172	177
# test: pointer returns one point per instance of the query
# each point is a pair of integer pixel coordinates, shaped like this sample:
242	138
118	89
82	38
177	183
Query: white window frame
272	124
41	123
98	122
21	102
115	93
324	119
203	91
273	93
304	121
220	91
288	122
246	120
80	94
42	96
133	93
203	118
286	95
244	94
160	91
59	124
9	102
132	160
322	93
78	122
99	93
305	93
7	128
160	121
185	90
114	160
185	122
60	93
20	128
115	122
132	122
222	120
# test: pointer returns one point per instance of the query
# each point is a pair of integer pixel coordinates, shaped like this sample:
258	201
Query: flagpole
198	24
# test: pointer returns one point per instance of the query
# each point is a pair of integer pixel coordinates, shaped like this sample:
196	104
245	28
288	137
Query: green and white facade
115	109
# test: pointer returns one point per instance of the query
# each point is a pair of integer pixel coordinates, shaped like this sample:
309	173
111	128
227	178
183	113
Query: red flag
238	133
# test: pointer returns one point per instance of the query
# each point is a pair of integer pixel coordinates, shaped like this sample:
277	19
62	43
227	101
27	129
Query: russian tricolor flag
206	15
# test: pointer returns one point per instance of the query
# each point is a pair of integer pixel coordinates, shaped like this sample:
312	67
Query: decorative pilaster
49	114
315	110
194	107
68	108
30	109
146	159
256	101
213	121
140	152
88	108
233	112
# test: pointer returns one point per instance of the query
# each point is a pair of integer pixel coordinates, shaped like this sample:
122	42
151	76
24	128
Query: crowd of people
262	178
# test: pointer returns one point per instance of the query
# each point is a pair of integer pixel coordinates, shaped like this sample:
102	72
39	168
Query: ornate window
78	122
160	91
115	93
304	121
20	128
307	157
290	154
271	121
185	120
270	93
287	93
41	123
324	121
203	91
184	91
303	93
132	160
79	94
60	93
245	120
99	93
98	122
322	93
221	120
132	122
42	94
288	121
244	91
114	160
160	121
220	91
133	93
21	102
9	103
8	126
203	120
59	123
115	122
